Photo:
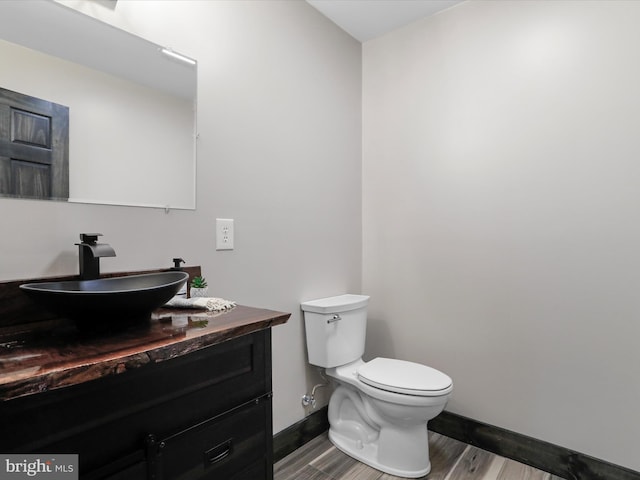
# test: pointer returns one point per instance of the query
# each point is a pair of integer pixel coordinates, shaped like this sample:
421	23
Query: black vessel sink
116	299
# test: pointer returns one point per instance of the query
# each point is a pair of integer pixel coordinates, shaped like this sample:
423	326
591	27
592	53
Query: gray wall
500	210
280	152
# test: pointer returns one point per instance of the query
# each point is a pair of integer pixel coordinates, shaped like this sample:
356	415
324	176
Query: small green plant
198	282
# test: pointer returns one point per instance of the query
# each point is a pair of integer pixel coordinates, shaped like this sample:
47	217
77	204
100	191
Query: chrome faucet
89	255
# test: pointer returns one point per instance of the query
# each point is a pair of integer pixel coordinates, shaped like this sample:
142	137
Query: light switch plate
224	234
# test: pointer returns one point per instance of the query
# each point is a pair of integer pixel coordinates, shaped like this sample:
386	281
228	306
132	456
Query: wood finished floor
450	460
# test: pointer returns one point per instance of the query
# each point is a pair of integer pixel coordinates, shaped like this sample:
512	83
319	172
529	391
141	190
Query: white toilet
379	410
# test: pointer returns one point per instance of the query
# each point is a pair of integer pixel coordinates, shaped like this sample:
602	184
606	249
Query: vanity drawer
217	448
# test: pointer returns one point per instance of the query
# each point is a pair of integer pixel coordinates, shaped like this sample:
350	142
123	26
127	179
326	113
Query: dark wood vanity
185	396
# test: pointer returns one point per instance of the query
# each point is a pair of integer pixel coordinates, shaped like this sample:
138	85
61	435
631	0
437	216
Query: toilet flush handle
334	319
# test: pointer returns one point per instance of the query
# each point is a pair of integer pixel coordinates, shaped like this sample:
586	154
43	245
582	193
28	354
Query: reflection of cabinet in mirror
34	147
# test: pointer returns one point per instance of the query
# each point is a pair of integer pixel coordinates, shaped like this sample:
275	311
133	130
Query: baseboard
545	456
542	455
299	433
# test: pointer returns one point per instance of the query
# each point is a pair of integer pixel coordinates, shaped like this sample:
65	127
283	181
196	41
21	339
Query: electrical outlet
224	234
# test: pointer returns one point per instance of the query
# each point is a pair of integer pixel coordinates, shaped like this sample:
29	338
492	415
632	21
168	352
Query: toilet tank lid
340	303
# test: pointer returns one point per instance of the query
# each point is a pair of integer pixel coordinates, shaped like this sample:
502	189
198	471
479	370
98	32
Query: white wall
280	152
500	206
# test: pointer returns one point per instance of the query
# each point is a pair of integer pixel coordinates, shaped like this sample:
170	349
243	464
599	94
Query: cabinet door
230	446
255	471
130	467
134	472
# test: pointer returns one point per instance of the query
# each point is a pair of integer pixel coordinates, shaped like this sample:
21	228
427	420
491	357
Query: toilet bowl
379	410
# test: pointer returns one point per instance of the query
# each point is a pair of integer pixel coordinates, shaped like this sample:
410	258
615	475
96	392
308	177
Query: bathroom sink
116	299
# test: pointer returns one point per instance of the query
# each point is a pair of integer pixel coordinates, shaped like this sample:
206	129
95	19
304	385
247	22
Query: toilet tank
335	329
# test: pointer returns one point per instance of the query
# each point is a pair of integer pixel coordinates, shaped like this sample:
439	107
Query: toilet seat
400	376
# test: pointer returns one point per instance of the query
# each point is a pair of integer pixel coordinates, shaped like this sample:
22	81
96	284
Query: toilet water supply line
311	399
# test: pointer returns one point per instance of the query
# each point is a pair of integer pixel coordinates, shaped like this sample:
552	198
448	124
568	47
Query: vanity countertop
65	357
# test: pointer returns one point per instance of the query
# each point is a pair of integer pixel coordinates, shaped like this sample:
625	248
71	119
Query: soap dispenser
176	267
176	264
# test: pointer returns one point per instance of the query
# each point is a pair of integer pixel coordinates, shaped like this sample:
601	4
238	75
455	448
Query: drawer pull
217	453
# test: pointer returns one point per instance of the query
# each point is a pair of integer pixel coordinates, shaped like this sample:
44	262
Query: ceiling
367	19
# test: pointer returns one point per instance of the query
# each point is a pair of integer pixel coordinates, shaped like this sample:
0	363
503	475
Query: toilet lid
404	377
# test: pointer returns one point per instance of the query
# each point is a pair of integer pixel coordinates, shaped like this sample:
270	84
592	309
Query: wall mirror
132	108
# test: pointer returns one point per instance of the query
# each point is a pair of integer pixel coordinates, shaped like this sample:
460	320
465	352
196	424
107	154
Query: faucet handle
89	237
